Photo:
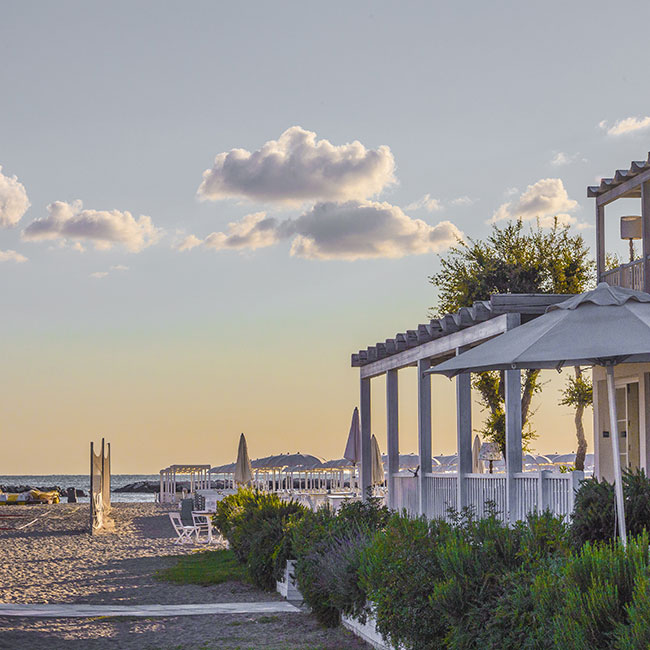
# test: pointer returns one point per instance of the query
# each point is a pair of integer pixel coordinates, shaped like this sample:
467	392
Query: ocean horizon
82	482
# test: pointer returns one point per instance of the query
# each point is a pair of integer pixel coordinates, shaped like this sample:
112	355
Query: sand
55	560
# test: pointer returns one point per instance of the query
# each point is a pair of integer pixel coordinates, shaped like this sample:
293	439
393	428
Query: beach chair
184	532
203	524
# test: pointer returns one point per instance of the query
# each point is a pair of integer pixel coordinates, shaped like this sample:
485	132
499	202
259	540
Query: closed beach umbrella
377	475
243	469
477	465
605	327
353	445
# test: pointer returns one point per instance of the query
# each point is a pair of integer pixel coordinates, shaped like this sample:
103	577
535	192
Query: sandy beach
55	560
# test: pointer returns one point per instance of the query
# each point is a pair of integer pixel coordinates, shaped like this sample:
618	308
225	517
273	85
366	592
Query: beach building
515	491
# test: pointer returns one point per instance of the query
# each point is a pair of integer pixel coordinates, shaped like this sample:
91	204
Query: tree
512	259
578	393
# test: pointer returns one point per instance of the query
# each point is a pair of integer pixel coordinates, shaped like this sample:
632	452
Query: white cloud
189	242
253	231
296	168
627	125
119	267
346	231
561	158
98	275
462	200
12	256
544	200
103	228
13	200
427	202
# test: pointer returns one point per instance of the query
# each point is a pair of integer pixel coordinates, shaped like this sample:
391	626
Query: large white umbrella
377	474
243	469
477	465
605	327
353	445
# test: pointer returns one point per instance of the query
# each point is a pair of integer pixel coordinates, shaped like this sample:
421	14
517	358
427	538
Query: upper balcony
632	183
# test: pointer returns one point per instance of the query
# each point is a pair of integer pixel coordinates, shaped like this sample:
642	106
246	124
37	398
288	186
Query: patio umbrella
243	469
477	465
377	475
605	327
353	445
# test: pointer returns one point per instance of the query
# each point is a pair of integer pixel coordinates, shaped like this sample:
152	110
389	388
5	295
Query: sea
82	482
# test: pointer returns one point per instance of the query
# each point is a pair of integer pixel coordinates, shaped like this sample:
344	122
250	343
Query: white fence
628	275
533	491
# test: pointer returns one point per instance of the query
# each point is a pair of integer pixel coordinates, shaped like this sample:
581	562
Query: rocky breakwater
43	488
147	487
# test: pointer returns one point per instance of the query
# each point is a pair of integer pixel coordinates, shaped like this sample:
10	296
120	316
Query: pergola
199	479
432	494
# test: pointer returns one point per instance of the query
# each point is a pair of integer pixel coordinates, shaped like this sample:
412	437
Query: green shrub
327	550
255	524
593	516
636	635
398	571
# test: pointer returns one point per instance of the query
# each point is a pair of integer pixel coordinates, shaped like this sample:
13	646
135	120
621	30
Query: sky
206	207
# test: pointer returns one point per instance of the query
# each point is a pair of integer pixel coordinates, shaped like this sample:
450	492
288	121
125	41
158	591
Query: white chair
202	524
184	532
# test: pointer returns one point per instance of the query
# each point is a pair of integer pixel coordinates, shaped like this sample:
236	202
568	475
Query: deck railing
485	493
628	275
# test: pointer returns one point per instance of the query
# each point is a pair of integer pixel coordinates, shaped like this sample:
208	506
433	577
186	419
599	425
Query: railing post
645	221
513	441
366	469
424	432
600	241
463	434
543	498
576	477
392	430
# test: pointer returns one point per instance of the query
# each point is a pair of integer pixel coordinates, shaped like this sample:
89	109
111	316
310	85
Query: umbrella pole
618	478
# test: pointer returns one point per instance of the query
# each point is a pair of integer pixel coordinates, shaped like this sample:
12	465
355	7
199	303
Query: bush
593	516
328	550
255	524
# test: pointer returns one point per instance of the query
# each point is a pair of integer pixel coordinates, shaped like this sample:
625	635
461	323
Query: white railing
486	492
440	494
406	493
628	275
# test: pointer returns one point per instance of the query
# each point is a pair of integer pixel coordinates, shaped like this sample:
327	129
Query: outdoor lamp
631	229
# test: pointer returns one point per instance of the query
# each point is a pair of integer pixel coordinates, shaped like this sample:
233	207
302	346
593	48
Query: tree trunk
580	431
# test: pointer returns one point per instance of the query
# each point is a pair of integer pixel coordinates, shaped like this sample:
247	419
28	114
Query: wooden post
424	432
645	221
600	241
92	513
392	429
364	412
513	440
463	433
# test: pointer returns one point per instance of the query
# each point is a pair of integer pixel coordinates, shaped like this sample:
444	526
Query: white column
424	432
513	440
364	412
600	240
392	430
463	433
645	221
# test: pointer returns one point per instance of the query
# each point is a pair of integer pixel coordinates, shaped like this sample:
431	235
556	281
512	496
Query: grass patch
205	568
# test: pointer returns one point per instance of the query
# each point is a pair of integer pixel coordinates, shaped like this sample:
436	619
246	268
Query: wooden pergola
423	347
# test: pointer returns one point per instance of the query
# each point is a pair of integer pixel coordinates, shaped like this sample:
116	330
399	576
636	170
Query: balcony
628	275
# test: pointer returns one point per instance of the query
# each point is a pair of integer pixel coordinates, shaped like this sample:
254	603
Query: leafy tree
578	393
512	259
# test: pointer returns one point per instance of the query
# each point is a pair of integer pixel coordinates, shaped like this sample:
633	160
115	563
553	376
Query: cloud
12	256
462	200
427	202
119	267
345	231
103	228
296	168
365	230
13	200
627	125
561	158
98	275
544	200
